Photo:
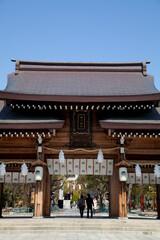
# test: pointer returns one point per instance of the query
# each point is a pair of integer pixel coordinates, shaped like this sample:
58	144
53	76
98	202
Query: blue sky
81	31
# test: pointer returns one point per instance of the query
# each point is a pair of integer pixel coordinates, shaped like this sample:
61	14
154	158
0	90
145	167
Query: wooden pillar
47	190
118	199
123	201
38	205
114	189
42	189
42	196
1	196
158	201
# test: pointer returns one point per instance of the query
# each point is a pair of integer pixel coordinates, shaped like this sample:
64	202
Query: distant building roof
79	81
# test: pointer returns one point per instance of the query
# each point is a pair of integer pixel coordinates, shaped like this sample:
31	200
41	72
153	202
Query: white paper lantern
138	170
100	156
61	157
24	169
2	169
123	174
38	173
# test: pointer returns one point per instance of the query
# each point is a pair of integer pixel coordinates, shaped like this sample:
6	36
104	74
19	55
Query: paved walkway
79	236
74	212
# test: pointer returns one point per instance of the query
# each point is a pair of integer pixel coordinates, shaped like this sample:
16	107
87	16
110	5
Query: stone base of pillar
122	218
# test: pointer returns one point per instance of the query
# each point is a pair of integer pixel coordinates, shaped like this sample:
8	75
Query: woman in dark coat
81	205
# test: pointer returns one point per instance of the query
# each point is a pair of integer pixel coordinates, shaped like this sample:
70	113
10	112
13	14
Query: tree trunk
158	201
1	196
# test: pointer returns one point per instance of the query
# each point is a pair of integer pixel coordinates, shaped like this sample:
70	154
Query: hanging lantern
138	171
123	174
2	169
79	187
100	156
61	157
157	170
38	173
24	169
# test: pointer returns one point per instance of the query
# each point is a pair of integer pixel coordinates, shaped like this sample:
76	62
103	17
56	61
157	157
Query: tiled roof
131	120
29	119
80	82
131	115
75	83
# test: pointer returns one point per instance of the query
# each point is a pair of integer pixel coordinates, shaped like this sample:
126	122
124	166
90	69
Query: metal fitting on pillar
39	149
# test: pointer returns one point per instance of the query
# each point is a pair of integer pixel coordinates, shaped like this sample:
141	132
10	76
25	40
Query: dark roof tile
74	83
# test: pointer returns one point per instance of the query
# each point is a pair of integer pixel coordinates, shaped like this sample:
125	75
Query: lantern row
82	107
137	134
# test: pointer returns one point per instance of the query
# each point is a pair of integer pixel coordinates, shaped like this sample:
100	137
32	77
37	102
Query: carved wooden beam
143	151
18	150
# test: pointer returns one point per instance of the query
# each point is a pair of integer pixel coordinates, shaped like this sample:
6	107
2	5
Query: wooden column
123	201
114	189
158	201
118	199
38	205
42	196
1	196
42	191
47	190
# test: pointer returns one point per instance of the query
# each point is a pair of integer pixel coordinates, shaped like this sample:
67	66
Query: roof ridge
23	65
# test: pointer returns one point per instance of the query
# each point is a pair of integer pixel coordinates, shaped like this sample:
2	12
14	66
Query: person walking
95	205
81	205
89	202
71	204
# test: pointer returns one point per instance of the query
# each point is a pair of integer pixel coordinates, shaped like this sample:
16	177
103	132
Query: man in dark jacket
89	202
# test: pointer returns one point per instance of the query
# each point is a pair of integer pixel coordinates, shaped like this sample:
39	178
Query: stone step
126	228
58	225
38	231
10	226
77	223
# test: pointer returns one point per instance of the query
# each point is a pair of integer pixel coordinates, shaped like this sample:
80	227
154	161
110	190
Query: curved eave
31	124
145	125
63	98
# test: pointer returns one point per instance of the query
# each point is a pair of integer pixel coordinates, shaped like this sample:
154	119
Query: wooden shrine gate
80	108
117	189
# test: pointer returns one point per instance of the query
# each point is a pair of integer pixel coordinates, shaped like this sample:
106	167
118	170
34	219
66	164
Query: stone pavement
71	216
78	236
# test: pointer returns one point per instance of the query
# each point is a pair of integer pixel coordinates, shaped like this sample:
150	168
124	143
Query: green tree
98	184
14	193
75	196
